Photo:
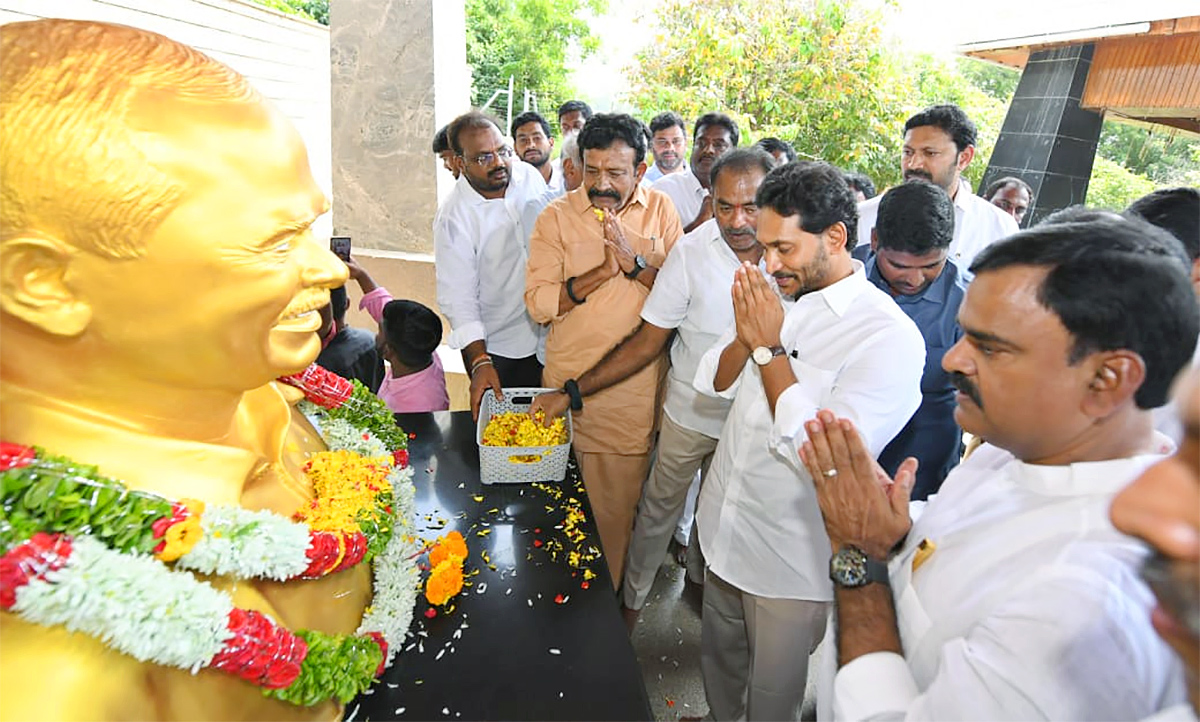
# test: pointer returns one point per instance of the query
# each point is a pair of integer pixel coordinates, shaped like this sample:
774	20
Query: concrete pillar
398	72
1047	140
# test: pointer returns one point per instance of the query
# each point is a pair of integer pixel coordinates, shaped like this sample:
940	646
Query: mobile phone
1176	584
340	245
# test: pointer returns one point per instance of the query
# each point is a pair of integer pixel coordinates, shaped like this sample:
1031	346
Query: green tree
1114	187
815	72
1163	154
530	40
317	10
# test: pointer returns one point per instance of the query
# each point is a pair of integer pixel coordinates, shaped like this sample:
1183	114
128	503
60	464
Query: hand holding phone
340	245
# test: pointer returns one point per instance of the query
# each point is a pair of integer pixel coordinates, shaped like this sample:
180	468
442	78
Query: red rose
321	386
400	456
13	456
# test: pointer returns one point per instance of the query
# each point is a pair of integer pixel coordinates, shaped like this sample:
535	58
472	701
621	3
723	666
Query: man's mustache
746	231
966	386
594	194
910	174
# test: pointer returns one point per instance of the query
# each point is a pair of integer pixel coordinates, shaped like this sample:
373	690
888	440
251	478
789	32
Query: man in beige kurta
593	257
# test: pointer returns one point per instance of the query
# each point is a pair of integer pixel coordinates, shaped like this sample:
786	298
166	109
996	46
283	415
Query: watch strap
571	387
639	265
571	292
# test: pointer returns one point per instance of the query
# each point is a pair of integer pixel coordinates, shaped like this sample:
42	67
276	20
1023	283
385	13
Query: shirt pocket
583	250
816	383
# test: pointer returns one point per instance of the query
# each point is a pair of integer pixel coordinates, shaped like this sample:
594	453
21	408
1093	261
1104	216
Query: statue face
227	292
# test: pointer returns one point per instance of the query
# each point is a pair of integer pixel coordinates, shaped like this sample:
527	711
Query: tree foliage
814	72
1114	187
317	10
530	40
1164	155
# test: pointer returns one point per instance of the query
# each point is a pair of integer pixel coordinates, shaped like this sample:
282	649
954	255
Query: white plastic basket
503	464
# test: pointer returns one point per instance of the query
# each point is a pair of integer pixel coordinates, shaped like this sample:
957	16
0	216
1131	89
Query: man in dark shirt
346	351
910	244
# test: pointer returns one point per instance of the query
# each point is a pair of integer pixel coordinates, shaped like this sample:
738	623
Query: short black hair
1176	210
662	121
1004	182
1115	282
530	116
472	119
441	143
775	145
915	217
573	105
862	183
740	160
413	332
951	119
339	301
602	130
717	119
817	192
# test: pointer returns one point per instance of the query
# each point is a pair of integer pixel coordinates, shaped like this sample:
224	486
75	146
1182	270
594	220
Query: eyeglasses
486	159
668	143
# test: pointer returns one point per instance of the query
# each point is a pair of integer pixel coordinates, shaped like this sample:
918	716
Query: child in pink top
409	334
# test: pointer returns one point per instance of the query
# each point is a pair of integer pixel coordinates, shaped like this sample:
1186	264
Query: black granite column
1047	140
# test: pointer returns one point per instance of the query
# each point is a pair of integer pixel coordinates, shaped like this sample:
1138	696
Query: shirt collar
962	197
933	293
839	295
1091	478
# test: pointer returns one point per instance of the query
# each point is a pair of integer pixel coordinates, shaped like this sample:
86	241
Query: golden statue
157	273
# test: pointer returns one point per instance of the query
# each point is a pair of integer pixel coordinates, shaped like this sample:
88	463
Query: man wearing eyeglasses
713	135
668	141
480	239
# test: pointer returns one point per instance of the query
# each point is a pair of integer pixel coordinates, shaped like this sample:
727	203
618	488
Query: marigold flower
445	581
180	538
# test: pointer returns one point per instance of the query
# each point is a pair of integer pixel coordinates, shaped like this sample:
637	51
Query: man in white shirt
1011	596
840	342
481	244
533	144
668	142
713	135
689	303
939	144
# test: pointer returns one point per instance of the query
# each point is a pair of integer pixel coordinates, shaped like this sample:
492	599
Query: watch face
761	355
848	567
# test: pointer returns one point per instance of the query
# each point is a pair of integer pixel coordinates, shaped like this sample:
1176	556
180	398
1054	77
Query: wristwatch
850	567
763	355
639	265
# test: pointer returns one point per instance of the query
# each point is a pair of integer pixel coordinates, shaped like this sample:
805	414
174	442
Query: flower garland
85	552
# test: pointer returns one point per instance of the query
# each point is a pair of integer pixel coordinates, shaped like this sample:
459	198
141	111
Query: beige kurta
568	241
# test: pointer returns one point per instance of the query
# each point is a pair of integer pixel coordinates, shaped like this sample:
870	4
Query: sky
918	25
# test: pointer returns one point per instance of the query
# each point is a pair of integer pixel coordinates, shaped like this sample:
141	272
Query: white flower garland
132	603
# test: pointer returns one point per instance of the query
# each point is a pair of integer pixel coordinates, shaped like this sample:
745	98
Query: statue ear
32	286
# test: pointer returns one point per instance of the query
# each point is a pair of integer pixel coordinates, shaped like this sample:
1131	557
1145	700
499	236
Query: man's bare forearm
472	351
733	360
866	622
582	287
633	354
647	276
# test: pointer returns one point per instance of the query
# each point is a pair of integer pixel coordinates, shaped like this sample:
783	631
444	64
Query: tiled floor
667	643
